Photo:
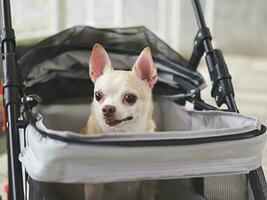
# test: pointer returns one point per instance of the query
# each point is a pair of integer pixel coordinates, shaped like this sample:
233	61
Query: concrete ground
250	84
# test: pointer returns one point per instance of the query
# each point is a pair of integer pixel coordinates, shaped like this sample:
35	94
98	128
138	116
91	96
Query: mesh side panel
235	187
55	191
162	190
226	188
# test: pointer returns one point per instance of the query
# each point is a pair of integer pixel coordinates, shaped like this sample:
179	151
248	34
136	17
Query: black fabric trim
199	185
258	184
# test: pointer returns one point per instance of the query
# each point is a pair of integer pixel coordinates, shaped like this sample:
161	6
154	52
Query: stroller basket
195	144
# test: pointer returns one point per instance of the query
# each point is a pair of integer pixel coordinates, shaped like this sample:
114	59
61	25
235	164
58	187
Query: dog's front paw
93	191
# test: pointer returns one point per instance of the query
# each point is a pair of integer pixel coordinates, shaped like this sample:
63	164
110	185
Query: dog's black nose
108	110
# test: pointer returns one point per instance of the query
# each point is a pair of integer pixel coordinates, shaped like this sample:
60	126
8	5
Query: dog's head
122	99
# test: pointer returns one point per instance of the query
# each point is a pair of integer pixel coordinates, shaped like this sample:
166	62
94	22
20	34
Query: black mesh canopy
57	67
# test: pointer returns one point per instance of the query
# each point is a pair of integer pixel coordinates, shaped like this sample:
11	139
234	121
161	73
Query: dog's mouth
113	122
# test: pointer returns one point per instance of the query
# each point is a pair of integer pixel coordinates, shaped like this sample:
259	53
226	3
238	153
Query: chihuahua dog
122	103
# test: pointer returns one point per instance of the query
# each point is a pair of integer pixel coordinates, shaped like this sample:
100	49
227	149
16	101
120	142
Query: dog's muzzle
113	122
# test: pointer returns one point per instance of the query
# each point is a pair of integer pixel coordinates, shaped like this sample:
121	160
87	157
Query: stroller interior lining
168	116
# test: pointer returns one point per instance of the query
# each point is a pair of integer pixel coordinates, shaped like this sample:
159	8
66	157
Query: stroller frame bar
222	88
11	101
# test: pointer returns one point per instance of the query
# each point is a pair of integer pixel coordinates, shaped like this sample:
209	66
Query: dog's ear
99	62
145	68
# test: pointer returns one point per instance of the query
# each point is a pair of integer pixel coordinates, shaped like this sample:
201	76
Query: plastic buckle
202	34
31	101
220	76
198	51
8	34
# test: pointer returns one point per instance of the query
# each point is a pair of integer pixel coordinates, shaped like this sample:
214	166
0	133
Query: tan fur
95	191
92	127
150	122
116	77
131	81
115	82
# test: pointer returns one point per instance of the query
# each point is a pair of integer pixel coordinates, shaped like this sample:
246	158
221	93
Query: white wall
238	27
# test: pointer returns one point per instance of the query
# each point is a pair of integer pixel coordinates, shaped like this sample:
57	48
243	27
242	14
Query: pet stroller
204	153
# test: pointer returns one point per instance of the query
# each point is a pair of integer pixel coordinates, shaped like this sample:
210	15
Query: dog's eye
129	98
98	95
